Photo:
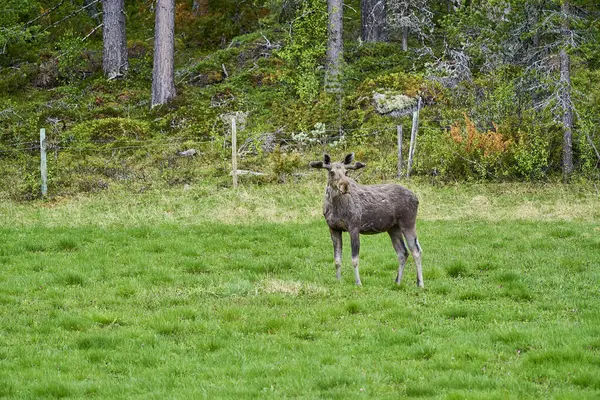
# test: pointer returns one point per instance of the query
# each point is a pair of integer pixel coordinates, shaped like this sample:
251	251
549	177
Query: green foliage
283	164
266	58
408	84
369	60
532	154
302	117
305	50
113	131
589	146
71	60
15	35
224	21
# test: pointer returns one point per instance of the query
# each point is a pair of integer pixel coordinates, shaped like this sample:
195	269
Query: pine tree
163	80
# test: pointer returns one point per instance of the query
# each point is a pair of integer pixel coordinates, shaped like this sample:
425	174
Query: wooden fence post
413	138
234	152
399	138
43	163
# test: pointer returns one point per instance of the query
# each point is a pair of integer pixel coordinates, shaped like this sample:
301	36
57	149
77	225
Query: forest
141	93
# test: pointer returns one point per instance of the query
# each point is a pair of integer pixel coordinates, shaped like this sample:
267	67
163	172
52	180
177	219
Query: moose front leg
355	244
398	243
336	238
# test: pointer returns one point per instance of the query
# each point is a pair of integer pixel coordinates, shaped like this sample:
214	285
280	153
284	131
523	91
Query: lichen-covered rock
386	103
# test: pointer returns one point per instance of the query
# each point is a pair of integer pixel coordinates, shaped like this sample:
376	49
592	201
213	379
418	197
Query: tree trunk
405	38
373	21
200	7
536	45
163	81
114	54
335	46
565	97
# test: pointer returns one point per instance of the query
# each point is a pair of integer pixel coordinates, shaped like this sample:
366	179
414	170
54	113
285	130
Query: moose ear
316	164
349	159
326	159
357	165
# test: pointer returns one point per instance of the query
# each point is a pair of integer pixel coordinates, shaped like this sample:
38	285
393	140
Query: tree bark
114	54
405	38
373	20
335	46
565	97
163	79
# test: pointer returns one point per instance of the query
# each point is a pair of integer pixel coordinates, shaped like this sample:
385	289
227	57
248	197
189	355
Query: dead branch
92	32
70	15
44	14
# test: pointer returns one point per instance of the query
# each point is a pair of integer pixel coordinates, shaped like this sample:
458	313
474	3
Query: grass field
210	293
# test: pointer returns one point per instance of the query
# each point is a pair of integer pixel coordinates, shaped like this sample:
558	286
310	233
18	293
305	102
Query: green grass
172	307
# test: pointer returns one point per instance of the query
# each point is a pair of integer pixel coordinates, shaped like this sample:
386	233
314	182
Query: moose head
338	178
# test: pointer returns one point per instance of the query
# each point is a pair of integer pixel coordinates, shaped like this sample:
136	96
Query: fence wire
95	162
78	144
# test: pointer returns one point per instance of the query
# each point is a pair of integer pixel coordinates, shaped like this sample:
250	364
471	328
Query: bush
16	78
305	51
531	155
109	132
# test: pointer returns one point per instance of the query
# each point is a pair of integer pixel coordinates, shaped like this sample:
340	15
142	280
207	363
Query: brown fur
369	209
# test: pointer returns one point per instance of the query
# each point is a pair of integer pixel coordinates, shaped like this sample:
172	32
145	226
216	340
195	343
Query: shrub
464	152
109	131
305	50
14	79
531	155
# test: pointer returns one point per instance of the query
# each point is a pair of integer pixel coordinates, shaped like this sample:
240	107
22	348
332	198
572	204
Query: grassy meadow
215	293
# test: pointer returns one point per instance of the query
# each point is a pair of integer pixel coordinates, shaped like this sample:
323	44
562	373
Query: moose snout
343	187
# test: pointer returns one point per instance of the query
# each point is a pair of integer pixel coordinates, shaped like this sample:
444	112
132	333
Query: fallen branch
70	15
43	15
246	172
92	32
225	71
591	142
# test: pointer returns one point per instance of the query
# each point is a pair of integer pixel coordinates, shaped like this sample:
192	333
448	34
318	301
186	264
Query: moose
368	209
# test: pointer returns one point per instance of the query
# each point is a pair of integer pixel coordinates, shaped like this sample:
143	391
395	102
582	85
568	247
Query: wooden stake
400	161
234	152
43	164
413	138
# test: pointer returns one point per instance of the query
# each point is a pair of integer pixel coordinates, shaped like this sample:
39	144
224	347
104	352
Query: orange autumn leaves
491	143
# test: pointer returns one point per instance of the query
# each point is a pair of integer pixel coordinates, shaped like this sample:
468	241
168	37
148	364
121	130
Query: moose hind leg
355	243
415	249
398	243
336	238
